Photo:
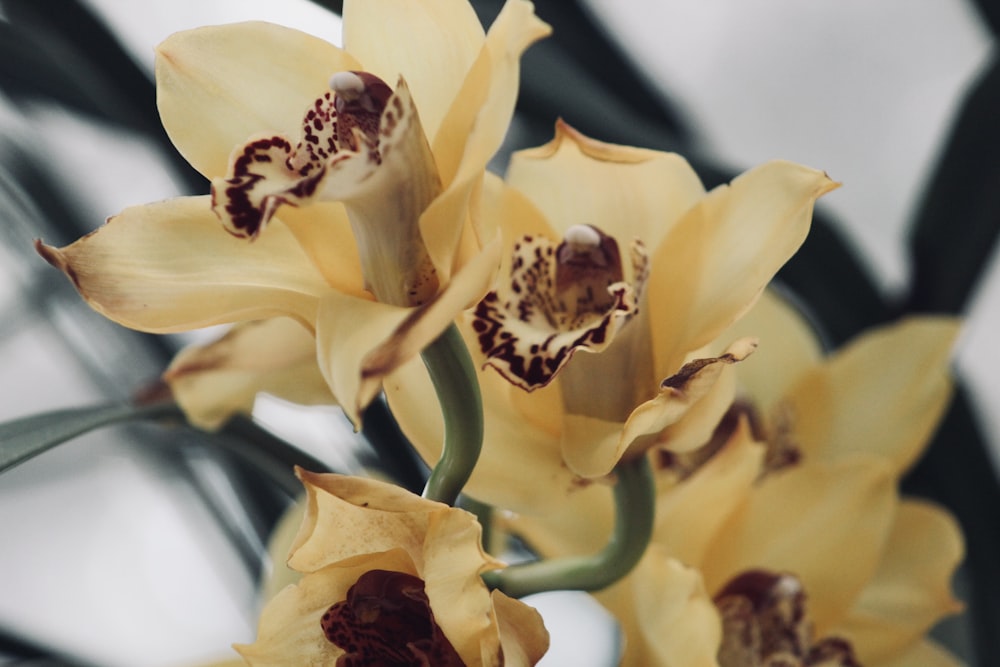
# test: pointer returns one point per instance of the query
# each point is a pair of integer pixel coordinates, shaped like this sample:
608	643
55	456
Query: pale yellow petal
690	514
474	127
923	654
377	515
626	192
430	43
523	636
324	232
831	536
666	615
218	85
883	394
360	342
453	560
592	447
169	266
911	589
279	545
713	264
789	347
215	381
289	631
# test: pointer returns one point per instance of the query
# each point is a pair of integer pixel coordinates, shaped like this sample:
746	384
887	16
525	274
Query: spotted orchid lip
560	298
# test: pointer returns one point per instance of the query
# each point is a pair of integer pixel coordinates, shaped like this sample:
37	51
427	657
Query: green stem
635	496
454	377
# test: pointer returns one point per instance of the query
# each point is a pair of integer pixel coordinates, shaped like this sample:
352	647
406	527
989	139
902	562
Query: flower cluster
583	332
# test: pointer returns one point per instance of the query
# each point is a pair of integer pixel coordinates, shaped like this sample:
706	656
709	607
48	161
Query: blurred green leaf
25	438
956	230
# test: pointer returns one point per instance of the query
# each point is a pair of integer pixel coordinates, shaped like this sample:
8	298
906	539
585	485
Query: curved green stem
454	377
635	496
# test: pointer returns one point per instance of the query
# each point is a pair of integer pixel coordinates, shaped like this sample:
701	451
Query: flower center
386	620
359	100
765	624
587	264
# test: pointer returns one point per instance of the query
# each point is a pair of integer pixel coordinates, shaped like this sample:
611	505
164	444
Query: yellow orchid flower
390	578
360	198
621	255
790	524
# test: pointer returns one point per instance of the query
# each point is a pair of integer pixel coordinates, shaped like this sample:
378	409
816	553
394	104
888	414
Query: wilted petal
523	636
289	630
713	264
831	537
628	192
215	381
884	393
591	447
665	613
360	342
169	267
430	43
218	85
911	589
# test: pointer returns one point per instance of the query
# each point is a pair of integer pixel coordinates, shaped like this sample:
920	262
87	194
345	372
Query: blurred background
123	548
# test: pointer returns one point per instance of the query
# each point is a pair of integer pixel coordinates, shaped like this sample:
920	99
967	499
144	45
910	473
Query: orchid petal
911	590
324	232
789	347
925	654
213	382
665	613
715	261
523	638
218	85
475	126
169	267
690	514
839	509
360	342
430	43
289	630
627	192
591	447
887	390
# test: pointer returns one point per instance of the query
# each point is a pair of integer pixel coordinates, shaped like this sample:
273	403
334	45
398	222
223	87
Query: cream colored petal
666	615
690	513
592	447
501	478
360	342
923	654
377	515
430	43
911	589
279	545
215	381
523	636
289	631
789	347
831	535
324	232
627	192
716	260
169	266
883	394
475	126
453	560
218	85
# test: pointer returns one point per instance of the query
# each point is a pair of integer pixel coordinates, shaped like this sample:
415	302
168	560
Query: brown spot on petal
387	621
